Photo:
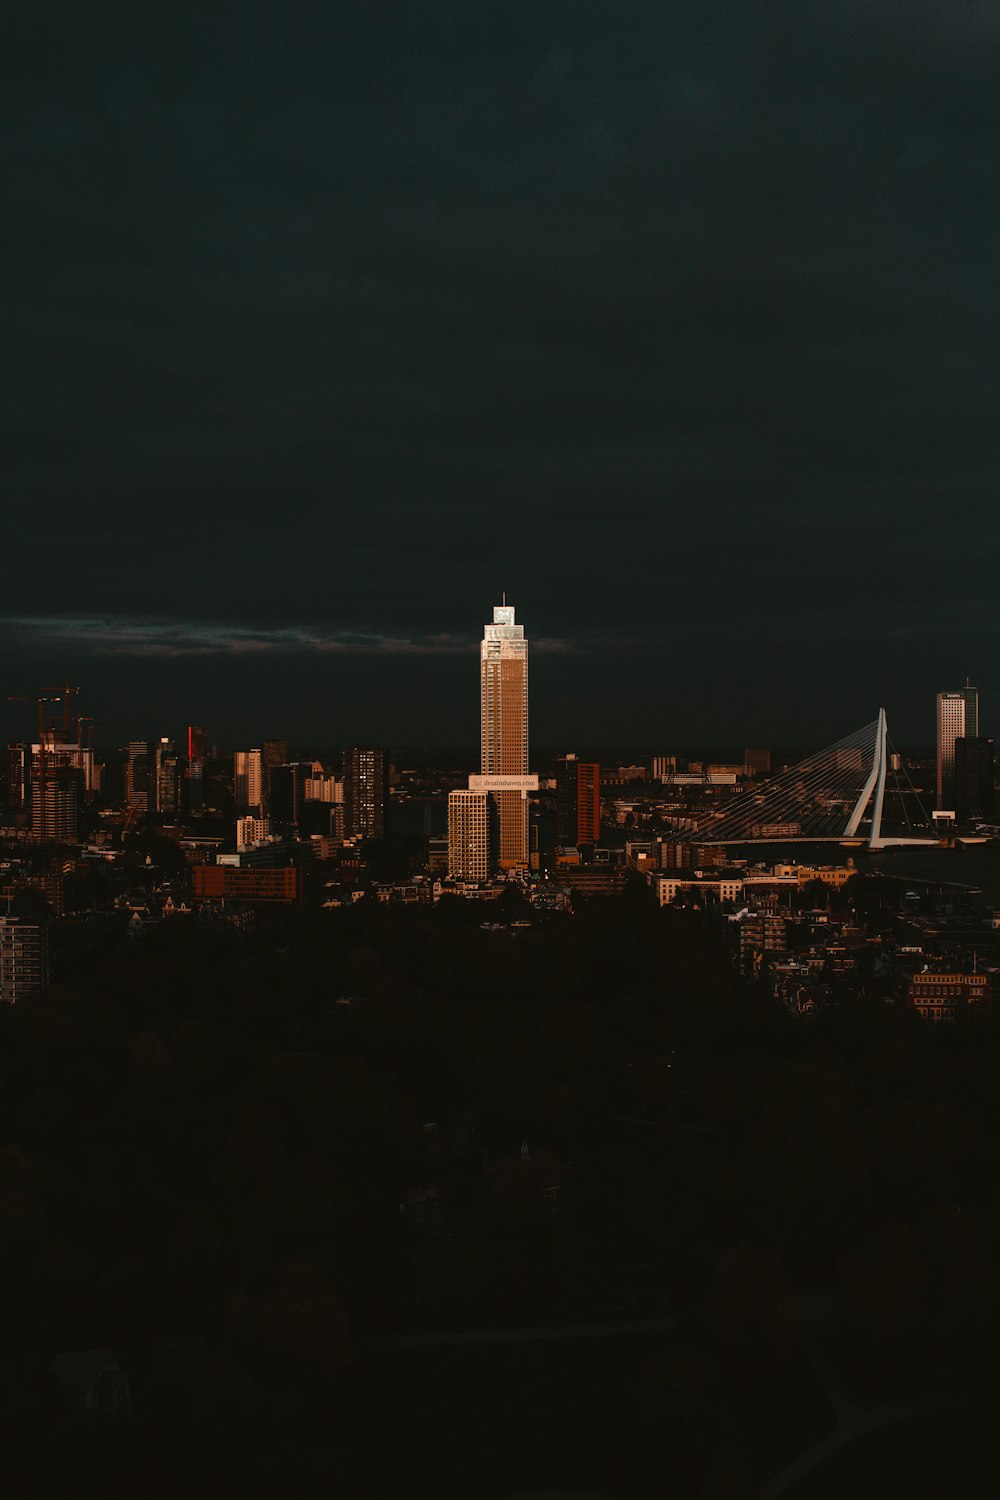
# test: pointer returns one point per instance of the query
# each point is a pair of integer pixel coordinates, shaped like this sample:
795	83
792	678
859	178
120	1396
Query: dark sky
328	322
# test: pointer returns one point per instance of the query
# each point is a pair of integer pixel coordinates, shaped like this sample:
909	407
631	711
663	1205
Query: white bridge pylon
874	787
835	794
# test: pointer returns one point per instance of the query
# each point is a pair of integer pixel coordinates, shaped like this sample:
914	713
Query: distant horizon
574	699
468	753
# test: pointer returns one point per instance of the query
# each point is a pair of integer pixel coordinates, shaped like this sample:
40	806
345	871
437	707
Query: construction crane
66	693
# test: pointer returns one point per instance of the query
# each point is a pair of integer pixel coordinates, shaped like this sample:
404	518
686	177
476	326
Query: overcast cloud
327	323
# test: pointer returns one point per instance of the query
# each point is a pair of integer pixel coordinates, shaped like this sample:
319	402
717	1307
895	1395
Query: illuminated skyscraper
957	718
248	781
469	841
504	728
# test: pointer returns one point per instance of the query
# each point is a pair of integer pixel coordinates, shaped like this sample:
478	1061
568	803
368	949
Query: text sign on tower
503	783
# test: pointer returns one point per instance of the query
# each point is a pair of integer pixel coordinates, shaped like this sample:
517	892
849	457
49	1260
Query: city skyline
616	742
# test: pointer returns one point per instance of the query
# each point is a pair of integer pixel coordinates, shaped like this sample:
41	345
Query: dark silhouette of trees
237	1159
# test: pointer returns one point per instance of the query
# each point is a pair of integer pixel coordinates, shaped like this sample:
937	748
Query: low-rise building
721	887
938	995
832	875
232	883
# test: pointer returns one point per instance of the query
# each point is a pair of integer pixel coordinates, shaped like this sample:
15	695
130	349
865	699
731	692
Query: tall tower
504	728
139	773
197	742
971	696
364	792
957	718
275	754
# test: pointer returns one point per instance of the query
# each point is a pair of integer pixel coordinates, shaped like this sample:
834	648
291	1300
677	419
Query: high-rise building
973	778
196	786
197	750
663	766
323	788
971	696
471	819
197	738
56	800
957	718
287	791
364	792
578	802
757	762
18	776
24	958
248	781
59	774
140	770
275	754
504	728
171	782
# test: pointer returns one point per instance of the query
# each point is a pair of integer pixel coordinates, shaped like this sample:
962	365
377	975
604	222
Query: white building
957	718
248	781
324	789
723	888
251	831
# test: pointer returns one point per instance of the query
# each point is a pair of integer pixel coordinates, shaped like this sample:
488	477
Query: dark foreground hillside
377	1201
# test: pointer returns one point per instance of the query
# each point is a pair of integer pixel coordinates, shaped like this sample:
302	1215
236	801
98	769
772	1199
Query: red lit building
234	883
197	738
578	802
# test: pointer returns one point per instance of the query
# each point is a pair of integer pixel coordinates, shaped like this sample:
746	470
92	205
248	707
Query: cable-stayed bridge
836	794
